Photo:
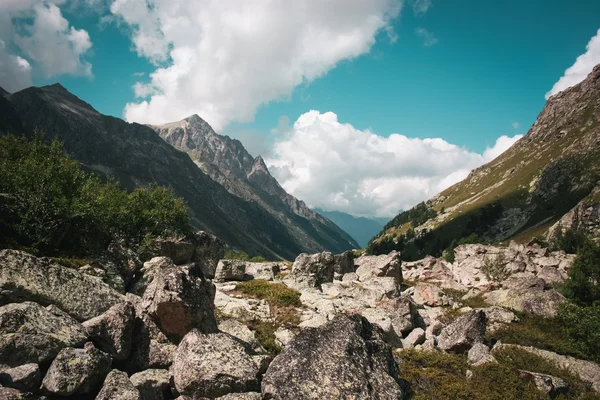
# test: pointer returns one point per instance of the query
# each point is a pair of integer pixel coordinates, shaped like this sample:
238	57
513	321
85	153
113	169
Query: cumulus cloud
223	59
429	38
421	6
335	166
582	67
34	35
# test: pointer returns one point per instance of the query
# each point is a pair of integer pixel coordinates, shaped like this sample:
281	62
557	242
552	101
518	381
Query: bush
258	259
570	241
583	283
583	328
276	294
236	255
449	253
495	269
49	204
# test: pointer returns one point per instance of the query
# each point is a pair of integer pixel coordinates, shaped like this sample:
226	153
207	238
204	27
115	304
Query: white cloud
429	38
338	167
35	36
421	6
516	125
223	59
582	67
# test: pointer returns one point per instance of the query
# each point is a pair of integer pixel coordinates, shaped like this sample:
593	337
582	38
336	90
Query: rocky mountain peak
3	92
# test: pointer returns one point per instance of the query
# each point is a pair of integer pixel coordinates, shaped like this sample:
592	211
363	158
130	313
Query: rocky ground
188	325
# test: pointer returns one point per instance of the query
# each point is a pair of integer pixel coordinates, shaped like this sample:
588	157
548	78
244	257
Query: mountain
135	155
550	173
360	228
227	162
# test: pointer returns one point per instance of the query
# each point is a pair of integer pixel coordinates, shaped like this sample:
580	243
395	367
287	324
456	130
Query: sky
365	107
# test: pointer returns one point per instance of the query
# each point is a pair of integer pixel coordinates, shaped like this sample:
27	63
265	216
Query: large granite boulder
26	277
389	265
30	333
77	371
147	273
209	250
112	331
153	384
312	270
230	270
26	378
344	263
430	295
344	359
178	249
179	301
465	331
213	365
117	386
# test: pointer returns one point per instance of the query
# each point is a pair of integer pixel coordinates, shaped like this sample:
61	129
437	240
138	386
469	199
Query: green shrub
569	241
582	325
258	259
495	269
264	332
583	284
236	255
276	294
49	204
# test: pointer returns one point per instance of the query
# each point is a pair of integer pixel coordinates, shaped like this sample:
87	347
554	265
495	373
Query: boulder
112	331
416	337
241	332
547	384
230	270
30	333
77	371
389	265
153	384
498	318
344	263
26	378
377	316
403	313
209	250
312	270
117	386
480	354
212	365
178	301
241	396
148	272
344	359
461	334
15	394
266	271
26	277
178	249
429	294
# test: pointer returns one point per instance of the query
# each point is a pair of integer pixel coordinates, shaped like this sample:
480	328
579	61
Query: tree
582	286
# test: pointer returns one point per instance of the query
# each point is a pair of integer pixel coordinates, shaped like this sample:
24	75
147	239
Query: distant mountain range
229	193
548	180
360	228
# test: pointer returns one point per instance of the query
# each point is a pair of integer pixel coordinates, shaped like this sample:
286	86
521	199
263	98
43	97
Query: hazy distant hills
360	228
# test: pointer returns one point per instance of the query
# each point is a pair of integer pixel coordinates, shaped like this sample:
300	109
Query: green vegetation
264	332
582	325
435	375
583	284
243	256
495	269
276	294
449	253
49	204
569	241
417	215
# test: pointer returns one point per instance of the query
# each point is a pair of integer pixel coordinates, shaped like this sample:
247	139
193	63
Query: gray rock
343	359
25	277
212	365
153	384
30	333
460	335
480	354
547	384
241	396
117	386
403	313
230	270
15	394
416	337
77	371
209	250
498	317
389	265
178	301
266	271
178	249
379	317
430	294
344	263
148	272
241	332
112	331
24	377
312	270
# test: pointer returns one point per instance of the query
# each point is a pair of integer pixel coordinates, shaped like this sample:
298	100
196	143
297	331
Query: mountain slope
524	191
360	228
135	155
227	162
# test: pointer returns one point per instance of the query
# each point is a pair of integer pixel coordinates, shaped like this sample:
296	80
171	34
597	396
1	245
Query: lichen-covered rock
153	384
379	317
213	365
266	271
241	396
178	301
15	394
112	331
26	378
117	386
26	277
414	338
30	333
148	272
178	249
498	318
344	263
403	313
547	384
389	265
430	294
209	250
241	332
312	270
461	334
77	371
480	354
230	270
343	359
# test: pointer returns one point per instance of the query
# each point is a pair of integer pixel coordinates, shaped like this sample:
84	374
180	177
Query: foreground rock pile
122	329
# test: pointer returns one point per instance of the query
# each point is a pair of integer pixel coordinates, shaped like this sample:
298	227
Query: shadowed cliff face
227	162
531	186
135	155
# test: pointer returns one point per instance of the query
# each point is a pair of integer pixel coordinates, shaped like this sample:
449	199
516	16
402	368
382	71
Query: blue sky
467	72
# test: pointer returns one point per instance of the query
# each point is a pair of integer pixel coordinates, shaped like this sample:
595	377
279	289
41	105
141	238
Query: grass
264	332
276	294
70	262
473	302
435	375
